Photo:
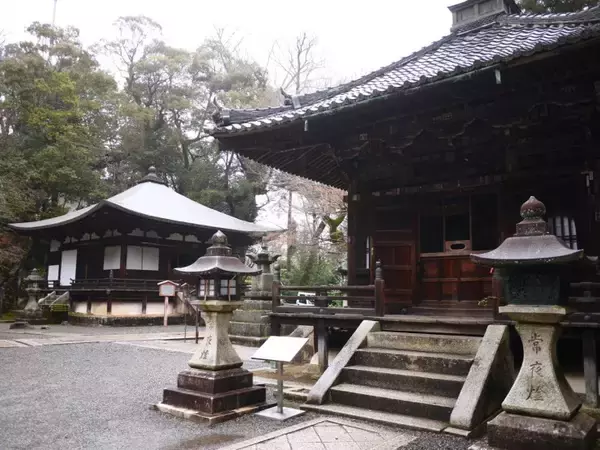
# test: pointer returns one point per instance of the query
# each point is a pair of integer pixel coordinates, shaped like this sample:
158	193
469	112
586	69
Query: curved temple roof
499	39
152	199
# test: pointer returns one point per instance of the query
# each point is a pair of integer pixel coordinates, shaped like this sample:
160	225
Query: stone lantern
216	388
33	289
262	284
541	411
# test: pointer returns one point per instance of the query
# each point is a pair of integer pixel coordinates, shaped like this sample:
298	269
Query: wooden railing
327	298
114	284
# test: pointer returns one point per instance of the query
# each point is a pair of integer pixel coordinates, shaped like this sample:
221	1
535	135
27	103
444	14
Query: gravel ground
94	330
98	396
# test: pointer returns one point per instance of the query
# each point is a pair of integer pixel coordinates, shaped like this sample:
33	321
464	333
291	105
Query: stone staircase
403	379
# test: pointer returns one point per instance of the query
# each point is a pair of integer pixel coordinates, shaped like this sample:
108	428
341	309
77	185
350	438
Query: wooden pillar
352	238
144	303
123	267
109	304
89	305
379	291
590	368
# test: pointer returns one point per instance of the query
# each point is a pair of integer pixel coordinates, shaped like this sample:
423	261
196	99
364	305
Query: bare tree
298	62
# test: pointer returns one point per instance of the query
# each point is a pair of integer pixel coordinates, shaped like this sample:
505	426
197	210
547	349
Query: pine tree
556	6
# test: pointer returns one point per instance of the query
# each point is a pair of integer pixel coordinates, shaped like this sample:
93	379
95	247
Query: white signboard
166	290
280	348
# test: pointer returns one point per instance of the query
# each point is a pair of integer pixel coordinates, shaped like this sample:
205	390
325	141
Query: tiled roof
503	39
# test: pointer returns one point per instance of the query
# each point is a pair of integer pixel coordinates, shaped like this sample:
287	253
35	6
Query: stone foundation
519	432
127	321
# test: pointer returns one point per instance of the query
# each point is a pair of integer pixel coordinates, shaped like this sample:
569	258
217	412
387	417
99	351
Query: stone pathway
328	434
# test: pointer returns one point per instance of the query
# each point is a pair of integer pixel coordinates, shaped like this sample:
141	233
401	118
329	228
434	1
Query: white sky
355	37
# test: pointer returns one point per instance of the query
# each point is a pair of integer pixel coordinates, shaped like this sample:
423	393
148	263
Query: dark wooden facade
438	171
95	288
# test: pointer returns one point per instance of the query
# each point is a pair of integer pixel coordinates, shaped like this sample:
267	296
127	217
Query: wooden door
396	251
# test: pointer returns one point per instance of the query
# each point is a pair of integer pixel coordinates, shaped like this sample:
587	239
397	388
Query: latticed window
563	227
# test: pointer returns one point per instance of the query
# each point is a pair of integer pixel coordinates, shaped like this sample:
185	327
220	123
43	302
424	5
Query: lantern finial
218	238
533	223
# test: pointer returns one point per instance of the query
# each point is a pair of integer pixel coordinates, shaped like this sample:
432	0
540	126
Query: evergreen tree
556	6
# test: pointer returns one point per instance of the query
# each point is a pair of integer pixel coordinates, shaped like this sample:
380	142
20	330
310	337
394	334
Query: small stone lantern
541	410
262	284
216	388
33	289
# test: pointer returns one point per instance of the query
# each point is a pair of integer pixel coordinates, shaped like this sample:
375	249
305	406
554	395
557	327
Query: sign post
280	349
167	289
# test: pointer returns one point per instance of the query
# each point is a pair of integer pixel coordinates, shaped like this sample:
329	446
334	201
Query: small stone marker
280	349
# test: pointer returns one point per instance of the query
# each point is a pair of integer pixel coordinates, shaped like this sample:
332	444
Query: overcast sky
355	37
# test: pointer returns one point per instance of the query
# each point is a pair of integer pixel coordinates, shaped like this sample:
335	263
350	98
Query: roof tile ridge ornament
151	177
221	113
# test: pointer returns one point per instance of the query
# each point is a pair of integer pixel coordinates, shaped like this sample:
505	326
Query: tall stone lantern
541	411
215	388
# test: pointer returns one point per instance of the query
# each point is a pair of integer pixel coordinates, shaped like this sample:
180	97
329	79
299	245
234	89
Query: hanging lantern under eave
219	273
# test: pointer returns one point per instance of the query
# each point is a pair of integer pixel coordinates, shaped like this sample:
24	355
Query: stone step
248	341
253	305
385	418
424	342
454	311
414	360
410	380
250	316
433	407
249	329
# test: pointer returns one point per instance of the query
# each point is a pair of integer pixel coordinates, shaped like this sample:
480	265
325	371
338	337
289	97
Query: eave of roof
502	40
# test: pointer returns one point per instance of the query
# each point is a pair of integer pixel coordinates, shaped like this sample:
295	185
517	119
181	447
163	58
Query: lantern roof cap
218	259
532	244
34	275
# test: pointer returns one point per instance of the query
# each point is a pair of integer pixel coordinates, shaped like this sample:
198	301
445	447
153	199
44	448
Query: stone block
253	305
249	329
214	403
519	432
214	382
251	316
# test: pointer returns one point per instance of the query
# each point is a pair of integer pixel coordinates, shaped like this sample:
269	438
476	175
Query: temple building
437	153
111	255
438	150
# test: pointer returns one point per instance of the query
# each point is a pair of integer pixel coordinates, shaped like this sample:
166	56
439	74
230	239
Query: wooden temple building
111	255
437	151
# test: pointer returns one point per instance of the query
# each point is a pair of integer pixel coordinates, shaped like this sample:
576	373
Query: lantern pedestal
541	409
216	388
